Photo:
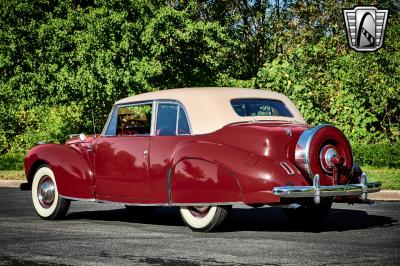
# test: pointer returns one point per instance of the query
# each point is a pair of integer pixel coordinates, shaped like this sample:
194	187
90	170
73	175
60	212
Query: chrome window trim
166	102
179	104
154	112
117	106
187	119
177	119
154	116
103	133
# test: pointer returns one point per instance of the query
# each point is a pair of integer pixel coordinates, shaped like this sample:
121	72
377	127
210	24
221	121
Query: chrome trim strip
169	171
316	191
151	204
287	168
207	203
132	204
177	119
80	199
113	202
154	113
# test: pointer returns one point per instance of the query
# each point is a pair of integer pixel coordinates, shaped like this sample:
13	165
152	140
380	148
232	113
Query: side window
166	119
133	120
112	125
183	125
171	120
260	107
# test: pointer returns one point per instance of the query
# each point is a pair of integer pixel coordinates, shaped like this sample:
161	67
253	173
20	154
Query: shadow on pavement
261	219
160	216
273	219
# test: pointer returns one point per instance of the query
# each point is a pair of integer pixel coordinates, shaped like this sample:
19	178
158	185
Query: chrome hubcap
46	192
326	155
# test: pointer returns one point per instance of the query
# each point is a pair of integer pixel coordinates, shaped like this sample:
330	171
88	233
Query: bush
382	154
10	161
40	124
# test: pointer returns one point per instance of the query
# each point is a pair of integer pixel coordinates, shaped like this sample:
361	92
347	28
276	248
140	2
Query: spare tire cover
314	152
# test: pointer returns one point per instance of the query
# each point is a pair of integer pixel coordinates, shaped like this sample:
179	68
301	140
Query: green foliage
62	60
357	92
45	124
380	155
174	47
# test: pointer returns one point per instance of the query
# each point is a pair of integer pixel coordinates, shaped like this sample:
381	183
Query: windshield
260	107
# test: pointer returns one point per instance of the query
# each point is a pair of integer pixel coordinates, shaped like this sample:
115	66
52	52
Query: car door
171	128
122	154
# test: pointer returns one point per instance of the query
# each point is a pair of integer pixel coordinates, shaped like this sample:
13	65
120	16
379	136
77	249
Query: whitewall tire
46	200
206	218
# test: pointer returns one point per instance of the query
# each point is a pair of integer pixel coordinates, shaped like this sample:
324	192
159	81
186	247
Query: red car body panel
238	163
70	165
199	181
121	167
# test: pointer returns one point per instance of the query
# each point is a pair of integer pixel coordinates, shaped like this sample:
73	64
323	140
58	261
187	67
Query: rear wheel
309	213
205	218
46	200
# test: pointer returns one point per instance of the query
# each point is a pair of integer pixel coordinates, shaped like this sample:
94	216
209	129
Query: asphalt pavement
106	234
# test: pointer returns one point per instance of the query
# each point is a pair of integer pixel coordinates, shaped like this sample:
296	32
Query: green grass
389	177
12	175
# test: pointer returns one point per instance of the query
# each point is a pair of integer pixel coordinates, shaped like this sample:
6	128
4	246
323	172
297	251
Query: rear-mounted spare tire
324	150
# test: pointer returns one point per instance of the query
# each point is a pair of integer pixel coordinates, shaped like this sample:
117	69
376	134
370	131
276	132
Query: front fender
73	173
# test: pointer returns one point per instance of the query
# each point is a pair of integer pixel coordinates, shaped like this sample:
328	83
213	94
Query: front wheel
46	200
204	218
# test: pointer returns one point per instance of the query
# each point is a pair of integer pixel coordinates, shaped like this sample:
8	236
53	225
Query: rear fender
198	176
248	177
199	181
73	173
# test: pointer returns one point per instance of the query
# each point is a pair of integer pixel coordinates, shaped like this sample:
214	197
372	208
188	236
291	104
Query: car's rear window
260	107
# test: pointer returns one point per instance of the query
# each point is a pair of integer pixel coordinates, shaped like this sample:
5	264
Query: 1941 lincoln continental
203	150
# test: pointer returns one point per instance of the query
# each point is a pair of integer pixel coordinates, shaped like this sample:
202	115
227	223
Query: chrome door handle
89	147
145	153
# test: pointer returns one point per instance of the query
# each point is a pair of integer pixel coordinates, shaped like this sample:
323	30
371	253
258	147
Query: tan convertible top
210	109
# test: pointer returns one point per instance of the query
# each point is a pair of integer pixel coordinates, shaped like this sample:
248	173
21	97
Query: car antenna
94	127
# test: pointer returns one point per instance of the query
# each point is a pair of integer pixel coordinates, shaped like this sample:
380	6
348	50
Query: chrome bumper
317	191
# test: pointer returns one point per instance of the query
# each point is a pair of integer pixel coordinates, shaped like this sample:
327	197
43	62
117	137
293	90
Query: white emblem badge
365	26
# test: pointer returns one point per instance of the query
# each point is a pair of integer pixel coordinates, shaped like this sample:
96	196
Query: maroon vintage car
202	149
